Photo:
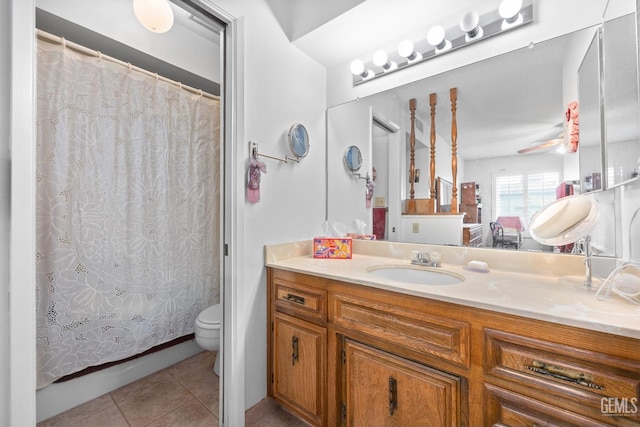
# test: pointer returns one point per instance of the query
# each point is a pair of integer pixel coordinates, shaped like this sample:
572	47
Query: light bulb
509	10
357	67
380	58
154	15
436	38
469	24
407	50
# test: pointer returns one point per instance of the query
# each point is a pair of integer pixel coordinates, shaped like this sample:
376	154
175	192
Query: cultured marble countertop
556	296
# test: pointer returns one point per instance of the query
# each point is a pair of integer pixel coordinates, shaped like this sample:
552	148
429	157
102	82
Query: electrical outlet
415	227
380	202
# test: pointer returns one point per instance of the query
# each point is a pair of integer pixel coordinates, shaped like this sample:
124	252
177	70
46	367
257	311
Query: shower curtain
127	211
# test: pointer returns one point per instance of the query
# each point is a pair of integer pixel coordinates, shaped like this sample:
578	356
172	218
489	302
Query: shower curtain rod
90	52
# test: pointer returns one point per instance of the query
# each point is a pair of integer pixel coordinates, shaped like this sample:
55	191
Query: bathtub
59	397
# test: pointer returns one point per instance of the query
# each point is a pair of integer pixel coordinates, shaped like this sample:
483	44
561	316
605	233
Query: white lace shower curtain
128	202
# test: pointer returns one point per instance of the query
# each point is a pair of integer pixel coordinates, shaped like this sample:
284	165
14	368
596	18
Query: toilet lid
211	315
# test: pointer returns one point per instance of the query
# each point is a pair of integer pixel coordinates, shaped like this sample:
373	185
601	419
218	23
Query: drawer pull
563	374
294	298
294	350
393	395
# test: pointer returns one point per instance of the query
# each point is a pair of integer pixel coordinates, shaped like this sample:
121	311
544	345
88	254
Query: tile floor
185	394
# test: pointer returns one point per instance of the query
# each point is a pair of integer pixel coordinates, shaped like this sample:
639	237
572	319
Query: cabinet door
381	389
299	367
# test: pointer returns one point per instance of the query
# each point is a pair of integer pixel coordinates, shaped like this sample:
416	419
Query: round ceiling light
154	15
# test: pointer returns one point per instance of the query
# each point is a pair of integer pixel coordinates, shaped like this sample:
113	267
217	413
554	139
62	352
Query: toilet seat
210	316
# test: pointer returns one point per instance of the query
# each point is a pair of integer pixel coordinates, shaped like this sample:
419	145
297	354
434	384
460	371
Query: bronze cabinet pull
294	298
393	395
294	350
563	374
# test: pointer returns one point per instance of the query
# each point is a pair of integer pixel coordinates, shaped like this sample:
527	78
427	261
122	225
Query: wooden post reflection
453	94
411	202
431	207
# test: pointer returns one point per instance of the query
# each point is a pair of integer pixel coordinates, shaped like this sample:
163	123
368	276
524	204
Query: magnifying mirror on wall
298	141
353	158
564	221
567	220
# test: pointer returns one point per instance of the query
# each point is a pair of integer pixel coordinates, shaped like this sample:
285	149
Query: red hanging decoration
256	167
572	127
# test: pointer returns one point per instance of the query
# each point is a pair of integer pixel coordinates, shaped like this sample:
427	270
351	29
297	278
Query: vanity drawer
506	408
585	377
300	299
407	327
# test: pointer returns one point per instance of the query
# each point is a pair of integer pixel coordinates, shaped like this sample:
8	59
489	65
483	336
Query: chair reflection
504	238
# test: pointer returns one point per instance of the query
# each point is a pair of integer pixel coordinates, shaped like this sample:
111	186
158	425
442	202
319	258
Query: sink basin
416	275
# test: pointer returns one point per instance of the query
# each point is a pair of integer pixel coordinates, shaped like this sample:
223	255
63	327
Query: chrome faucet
425	258
587	262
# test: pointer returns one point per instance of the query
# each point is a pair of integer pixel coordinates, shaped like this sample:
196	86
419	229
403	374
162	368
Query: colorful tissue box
332	248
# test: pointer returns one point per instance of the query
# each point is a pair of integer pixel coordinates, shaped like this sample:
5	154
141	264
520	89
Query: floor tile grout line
146	389
204	404
120	409
167	413
207	407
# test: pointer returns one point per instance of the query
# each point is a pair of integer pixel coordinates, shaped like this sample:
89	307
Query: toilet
207	332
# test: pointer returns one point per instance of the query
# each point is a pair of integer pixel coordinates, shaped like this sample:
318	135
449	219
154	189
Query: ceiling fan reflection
543	145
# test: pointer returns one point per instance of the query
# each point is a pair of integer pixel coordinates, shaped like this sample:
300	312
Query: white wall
347	125
5	181
282	86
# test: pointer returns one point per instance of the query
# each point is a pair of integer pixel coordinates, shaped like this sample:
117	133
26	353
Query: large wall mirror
508	103
620	96
589	101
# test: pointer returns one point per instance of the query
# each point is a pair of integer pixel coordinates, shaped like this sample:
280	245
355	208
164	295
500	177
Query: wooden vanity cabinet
297	344
372	357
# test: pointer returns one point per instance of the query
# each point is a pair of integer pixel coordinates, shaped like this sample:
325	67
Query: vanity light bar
488	25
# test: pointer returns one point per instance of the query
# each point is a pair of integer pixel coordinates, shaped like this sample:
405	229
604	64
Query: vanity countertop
554	297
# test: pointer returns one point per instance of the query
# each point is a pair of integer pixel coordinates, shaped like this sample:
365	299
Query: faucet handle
418	256
435	258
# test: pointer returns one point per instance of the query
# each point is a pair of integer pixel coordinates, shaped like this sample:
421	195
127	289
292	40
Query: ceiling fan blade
547	144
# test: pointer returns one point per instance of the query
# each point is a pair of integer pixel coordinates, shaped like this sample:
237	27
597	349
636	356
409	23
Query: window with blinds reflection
524	194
